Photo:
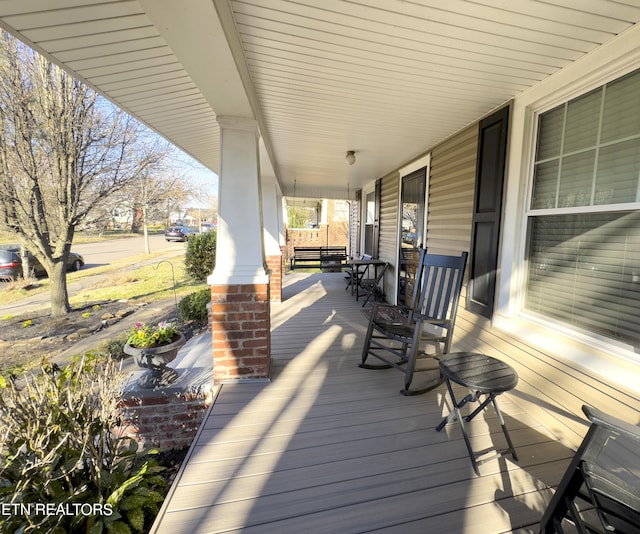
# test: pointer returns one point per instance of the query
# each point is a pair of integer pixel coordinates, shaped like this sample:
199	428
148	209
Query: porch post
272	223
240	323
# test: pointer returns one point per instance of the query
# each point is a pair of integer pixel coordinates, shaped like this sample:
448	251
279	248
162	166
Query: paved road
99	254
107	252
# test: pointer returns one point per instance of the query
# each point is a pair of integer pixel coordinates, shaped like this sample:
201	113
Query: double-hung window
583	221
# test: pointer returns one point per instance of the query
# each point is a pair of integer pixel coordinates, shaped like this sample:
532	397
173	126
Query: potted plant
153	347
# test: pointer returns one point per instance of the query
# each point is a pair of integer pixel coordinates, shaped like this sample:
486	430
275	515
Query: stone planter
155	360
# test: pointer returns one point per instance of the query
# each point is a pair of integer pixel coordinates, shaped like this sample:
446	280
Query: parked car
206	227
408	237
178	233
11	263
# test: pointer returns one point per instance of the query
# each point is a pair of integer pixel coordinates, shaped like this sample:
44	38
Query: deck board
329	447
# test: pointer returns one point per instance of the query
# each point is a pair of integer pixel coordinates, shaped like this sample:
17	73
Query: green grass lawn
151	282
148	283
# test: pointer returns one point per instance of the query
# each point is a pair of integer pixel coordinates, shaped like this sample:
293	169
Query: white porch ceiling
385	78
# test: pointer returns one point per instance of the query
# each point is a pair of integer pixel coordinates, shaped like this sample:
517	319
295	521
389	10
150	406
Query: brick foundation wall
162	420
275	263
240	330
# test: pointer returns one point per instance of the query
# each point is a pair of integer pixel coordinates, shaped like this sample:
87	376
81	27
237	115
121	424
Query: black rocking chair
600	491
396	335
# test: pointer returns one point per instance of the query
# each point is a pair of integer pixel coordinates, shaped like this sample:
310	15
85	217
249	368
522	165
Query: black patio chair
350	275
372	285
397	335
600	491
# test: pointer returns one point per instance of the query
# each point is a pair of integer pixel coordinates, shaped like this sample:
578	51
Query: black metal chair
372	285
353	274
600	491
397	335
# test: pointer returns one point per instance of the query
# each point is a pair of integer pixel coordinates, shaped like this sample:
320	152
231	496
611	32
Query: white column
239	249
324	214
282	206
272	216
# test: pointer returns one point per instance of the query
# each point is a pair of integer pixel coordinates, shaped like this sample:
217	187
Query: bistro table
483	375
359	269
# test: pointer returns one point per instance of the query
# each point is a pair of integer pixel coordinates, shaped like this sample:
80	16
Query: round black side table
483	375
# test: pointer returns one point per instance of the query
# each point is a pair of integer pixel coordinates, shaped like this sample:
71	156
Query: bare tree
155	195
63	152
151	198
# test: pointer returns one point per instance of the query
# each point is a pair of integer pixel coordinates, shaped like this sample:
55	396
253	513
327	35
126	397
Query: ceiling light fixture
350	157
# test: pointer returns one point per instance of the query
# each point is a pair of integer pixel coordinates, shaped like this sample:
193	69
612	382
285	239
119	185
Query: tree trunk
26	264
136	220
147	250
59	294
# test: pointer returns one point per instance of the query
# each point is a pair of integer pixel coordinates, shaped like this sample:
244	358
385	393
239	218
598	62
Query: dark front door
492	150
412	198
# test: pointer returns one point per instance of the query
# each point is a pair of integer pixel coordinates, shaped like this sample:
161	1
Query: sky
203	180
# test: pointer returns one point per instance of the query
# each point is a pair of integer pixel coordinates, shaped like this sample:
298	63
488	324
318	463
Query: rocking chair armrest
612	423
445	323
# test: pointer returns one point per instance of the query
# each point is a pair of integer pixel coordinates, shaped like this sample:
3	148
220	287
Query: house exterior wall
551	386
569	366
559	369
388	239
450	194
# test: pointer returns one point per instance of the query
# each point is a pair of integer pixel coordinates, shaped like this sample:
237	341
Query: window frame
618	347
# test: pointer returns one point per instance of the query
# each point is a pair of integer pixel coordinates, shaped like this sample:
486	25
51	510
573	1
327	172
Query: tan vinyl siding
388	244
450	197
550	387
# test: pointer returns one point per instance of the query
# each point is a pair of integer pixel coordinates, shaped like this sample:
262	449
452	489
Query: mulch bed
171	460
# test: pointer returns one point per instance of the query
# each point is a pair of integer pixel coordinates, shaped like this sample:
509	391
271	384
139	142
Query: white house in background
121	216
512	129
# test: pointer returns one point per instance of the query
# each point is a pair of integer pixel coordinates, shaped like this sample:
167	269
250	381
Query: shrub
193	307
59	449
114	347
200	258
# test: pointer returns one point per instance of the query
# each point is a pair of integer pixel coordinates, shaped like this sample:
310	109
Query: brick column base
240	331
274	263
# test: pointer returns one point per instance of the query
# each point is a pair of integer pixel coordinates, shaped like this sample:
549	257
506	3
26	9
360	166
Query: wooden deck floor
327	447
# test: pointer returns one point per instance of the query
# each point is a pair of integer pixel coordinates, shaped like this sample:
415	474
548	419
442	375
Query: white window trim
367	190
622	349
420	163
613	360
592	208
423	162
576	210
